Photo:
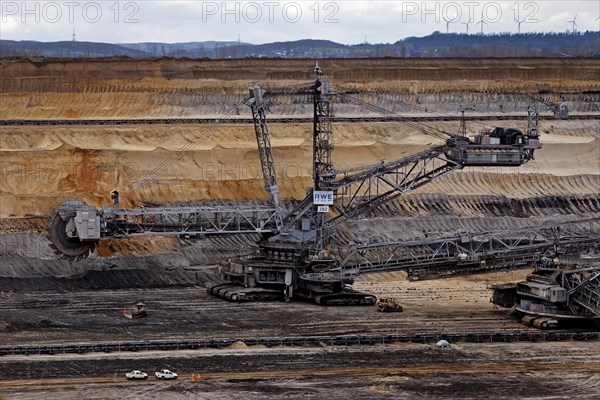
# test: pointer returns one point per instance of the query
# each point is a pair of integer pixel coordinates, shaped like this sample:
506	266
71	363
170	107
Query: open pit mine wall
45	165
187	88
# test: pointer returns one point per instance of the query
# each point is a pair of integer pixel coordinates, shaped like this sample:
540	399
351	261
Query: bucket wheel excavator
557	292
63	233
295	256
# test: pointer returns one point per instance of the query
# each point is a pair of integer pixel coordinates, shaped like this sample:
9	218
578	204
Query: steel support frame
263	141
322	132
360	190
583	287
525	244
188	221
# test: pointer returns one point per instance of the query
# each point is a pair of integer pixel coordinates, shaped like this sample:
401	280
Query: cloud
267	21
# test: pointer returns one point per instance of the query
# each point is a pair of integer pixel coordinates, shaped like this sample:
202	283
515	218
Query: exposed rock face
45	165
161	88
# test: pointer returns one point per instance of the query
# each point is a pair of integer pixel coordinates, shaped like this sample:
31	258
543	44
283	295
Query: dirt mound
237	346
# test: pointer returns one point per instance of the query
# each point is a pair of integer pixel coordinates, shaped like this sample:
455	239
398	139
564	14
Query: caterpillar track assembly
238	293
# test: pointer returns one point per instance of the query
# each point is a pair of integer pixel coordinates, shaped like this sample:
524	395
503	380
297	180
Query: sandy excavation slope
159	88
42	166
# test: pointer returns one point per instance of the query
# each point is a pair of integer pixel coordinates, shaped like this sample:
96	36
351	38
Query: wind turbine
467	24
481	22
519	22
574	30
448	22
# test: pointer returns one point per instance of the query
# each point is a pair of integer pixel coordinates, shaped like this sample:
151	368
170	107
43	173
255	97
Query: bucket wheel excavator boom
295	257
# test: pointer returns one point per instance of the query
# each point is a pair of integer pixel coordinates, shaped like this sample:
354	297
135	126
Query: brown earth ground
481	371
45	299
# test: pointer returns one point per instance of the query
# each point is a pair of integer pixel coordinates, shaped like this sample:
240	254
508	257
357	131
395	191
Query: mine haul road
379	371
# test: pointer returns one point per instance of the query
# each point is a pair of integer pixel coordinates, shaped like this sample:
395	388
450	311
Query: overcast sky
346	22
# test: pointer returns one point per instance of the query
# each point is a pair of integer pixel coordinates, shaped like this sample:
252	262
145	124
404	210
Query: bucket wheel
65	241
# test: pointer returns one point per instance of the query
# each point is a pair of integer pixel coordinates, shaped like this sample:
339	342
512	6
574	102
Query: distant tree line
578	44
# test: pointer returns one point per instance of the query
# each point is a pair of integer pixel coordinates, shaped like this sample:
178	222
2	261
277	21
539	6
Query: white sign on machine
322	198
